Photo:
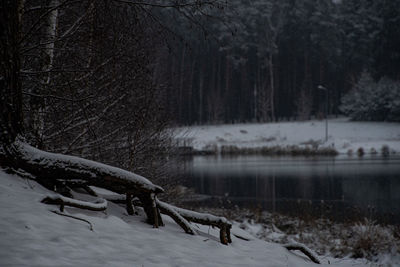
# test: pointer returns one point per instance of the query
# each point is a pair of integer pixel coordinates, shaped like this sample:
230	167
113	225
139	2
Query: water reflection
337	187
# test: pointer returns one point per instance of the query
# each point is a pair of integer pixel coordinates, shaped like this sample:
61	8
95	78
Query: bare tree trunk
182	75
227	86
10	85
201	89
38	102
91	12
50	37
214	114
272	86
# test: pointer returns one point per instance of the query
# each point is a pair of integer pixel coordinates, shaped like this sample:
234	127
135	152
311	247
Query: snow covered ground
343	135
31	235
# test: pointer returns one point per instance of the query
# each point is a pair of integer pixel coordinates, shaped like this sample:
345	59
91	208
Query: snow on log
98	205
301	247
207	219
202	218
52	166
170	211
107	194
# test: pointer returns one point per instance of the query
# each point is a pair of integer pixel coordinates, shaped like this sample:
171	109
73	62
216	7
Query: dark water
340	188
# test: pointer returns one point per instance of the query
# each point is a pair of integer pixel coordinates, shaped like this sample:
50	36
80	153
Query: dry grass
363	239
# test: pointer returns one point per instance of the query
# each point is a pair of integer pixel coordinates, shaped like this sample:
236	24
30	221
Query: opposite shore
305	138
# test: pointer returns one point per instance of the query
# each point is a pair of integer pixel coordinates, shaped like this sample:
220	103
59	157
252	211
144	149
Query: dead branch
241	237
89	190
99	205
50	168
306	251
170	211
207	219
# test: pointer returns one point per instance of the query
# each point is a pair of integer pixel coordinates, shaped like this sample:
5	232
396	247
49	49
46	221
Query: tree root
200	218
100	205
59	173
74	217
170	211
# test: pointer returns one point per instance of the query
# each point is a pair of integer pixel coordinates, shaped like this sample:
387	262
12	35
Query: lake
340	188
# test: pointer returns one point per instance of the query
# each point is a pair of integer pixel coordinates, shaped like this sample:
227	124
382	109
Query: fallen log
99	205
55	170
51	168
306	251
183	217
207	219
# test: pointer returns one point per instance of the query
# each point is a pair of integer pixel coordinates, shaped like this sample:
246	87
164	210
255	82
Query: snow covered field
343	135
31	235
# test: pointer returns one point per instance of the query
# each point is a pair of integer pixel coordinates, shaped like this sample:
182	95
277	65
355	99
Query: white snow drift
31	235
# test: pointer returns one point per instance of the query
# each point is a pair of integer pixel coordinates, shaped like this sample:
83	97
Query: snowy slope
31	235
343	135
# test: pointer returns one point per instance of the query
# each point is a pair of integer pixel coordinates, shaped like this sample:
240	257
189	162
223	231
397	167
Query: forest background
105	80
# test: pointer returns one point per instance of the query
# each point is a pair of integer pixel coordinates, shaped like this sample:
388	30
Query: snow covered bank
343	135
377	244
31	235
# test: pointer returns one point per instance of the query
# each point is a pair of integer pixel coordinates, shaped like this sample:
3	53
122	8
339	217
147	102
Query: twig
241	237
74	217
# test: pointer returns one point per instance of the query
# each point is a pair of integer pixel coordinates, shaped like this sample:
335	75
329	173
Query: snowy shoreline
292	138
32	235
364	239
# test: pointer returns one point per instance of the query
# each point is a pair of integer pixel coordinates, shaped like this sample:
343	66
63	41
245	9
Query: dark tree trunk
10	84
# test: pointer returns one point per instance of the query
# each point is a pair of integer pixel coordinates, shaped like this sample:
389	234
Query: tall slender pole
326	115
320	87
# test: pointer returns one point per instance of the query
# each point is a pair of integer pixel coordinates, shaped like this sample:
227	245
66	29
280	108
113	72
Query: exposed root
74	217
99	205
